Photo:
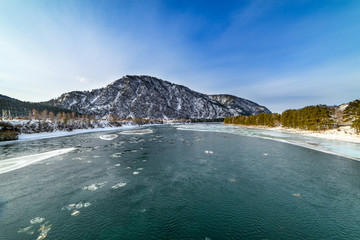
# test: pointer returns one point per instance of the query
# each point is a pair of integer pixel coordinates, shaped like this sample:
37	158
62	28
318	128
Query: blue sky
281	54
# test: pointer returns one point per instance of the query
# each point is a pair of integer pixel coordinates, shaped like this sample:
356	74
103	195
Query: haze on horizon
280	54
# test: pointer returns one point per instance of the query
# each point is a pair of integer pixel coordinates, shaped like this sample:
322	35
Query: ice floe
12	164
108	137
95	186
296	194
44	229
117	165
37	220
117	155
137	131
119	185
209	152
135	173
27	230
75	213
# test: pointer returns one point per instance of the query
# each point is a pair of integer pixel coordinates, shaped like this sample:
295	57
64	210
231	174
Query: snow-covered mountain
150	97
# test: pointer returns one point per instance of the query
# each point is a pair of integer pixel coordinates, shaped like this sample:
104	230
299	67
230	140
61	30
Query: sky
277	53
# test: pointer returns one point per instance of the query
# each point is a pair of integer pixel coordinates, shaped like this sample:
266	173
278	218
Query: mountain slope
150	97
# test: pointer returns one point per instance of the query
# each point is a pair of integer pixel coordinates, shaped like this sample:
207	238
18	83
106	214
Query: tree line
352	114
314	118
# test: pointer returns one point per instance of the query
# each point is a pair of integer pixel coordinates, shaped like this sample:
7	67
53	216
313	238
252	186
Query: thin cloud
82	79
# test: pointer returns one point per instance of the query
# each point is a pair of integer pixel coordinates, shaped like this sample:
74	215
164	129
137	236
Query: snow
12	164
45	135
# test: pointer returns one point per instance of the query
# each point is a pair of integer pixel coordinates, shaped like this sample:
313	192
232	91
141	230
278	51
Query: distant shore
346	133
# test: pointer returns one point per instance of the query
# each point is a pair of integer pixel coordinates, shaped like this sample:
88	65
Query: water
189	184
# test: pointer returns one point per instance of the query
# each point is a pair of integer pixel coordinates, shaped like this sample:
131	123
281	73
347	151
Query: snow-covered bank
45	135
330	142
346	134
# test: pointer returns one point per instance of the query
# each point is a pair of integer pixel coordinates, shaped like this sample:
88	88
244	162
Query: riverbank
44	135
346	134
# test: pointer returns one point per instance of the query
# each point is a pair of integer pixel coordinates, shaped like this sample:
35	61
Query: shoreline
45	135
344	134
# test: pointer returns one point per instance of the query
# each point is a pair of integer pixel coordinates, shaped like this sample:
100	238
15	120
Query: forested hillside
314	118
16	108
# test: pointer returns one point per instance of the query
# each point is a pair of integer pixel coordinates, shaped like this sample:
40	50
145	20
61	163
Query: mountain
20	108
150	97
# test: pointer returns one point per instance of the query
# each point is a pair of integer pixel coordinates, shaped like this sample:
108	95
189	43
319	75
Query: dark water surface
174	184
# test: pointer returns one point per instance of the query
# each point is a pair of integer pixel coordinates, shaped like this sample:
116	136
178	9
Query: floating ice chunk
209	152
265	154
44	230
108	137
116	155
117	165
135	173
134	150
95	186
96	156
137	132
26	230
87	204
37	220
128	168
296	194
79	205
144	160
232	180
118	185
69	207
75	213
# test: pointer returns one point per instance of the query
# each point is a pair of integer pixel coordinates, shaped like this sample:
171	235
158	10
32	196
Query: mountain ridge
149	97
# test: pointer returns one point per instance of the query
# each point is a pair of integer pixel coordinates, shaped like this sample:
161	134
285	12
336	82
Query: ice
79	205
118	185
37	220
128	168
44	230
296	194
265	154
12	164
87	204
209	152
75	213
116	155
27	230
135	173
117	165
95	186
140	169
137	132
108	137
340	148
